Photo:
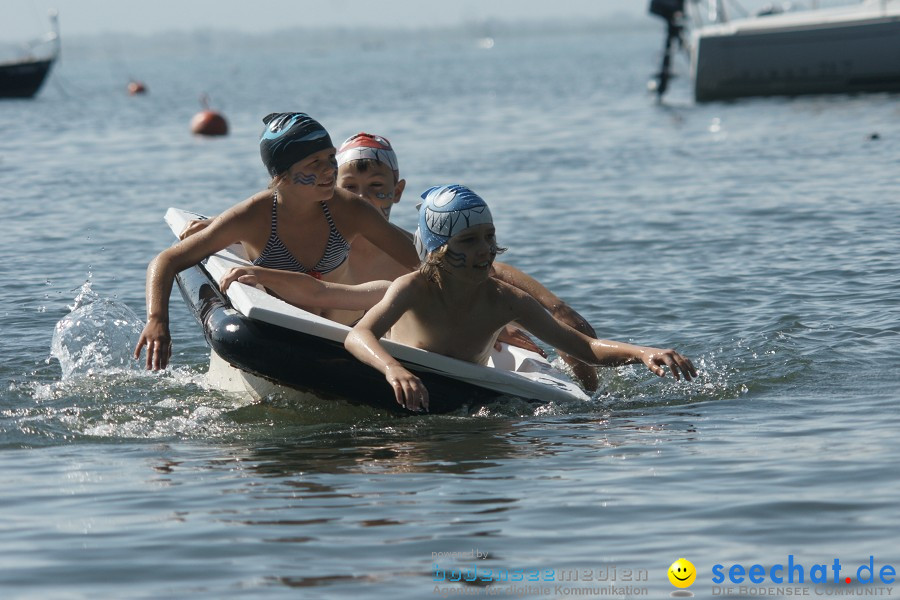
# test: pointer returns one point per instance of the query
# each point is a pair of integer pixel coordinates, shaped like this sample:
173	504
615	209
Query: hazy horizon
27	19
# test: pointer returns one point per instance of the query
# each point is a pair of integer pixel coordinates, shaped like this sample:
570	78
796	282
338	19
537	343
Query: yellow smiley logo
682	573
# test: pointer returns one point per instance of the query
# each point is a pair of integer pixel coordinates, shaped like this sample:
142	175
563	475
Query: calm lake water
758	237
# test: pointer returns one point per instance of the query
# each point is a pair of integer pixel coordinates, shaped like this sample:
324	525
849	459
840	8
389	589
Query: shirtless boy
452	305
368	166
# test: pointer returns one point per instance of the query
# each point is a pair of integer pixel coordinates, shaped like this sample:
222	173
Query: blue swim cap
288	138
446	211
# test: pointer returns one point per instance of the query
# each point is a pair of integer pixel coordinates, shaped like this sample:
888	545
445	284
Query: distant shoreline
203	37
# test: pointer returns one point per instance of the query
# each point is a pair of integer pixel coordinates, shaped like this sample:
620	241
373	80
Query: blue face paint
455	259
304	179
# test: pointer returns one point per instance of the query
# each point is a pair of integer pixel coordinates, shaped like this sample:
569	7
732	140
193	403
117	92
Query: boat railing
709	12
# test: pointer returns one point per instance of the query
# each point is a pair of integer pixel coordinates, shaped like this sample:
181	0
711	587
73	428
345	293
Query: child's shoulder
505	294
414	280
410	287
257	205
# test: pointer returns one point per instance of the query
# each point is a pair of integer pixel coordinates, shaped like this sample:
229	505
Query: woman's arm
194	226
392	240
303	290
362	342
221	233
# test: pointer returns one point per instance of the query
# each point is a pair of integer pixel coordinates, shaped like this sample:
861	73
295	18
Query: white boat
835	50
260	345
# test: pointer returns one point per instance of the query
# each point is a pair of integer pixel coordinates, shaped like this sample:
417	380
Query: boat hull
303	362
23	79
797	59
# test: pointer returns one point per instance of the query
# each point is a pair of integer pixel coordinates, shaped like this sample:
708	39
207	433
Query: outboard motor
672	11
667	9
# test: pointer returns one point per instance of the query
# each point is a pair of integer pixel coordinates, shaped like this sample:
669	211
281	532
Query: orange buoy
136	87
207	121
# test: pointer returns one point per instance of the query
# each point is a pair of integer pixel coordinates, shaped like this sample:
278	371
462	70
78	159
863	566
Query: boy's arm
362	342
302	290
553	303
591	350
559	309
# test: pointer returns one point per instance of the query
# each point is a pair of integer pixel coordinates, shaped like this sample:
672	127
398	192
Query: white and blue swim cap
447	210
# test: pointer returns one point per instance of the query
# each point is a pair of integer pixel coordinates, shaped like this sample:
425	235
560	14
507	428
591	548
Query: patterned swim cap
367	146
446	211
288	138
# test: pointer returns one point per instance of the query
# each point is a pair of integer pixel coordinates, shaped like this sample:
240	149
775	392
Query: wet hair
433	264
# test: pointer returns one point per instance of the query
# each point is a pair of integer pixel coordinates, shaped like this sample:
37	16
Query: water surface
758	237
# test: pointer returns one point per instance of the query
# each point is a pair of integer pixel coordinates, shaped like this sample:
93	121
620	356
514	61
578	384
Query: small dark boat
23	78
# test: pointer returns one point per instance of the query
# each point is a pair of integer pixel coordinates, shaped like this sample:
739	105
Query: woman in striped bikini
301	223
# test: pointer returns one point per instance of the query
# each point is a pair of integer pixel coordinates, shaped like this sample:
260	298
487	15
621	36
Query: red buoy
207	121
136	87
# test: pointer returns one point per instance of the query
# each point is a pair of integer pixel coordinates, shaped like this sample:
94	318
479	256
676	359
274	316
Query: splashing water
96	337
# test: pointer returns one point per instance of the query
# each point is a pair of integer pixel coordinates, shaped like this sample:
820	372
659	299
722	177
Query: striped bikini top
276	256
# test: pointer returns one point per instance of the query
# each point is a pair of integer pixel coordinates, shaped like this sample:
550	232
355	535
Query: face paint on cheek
455	259
382	197
304	179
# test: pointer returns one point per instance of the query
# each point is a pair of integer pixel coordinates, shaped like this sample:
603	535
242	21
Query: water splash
97	336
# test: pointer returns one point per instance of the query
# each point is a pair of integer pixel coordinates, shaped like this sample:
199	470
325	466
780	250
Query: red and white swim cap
367	146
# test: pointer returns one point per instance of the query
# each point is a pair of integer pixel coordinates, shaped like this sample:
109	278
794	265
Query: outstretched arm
362	342
222	232
303	290
560	311
599	352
